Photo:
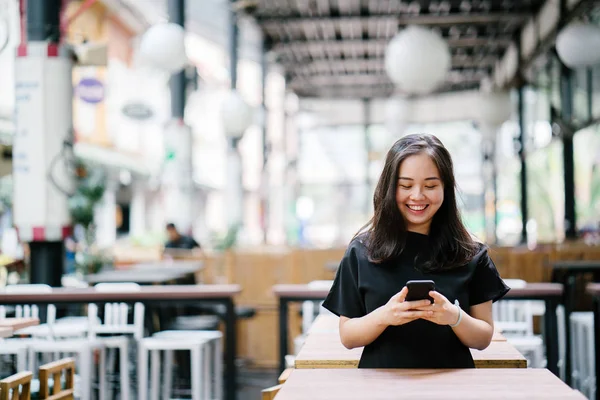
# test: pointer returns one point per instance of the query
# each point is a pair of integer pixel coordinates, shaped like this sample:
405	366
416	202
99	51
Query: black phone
419	290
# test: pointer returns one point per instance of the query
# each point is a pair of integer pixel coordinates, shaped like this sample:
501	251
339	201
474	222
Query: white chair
514	318
562	345
116	324
154	345
583	370
212	362
83	349
18	346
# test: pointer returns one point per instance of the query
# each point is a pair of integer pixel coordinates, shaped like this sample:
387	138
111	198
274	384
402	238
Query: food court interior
179	180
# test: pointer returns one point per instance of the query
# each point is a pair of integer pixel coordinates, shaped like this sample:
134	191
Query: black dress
360	287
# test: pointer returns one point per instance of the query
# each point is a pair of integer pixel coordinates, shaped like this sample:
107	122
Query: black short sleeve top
360	287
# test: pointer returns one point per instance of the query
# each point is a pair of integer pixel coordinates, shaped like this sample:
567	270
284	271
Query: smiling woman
420	192
416	234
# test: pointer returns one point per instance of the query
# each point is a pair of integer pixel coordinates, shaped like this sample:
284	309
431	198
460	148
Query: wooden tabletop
18	323
593	289
323	349
5	332
327	351
462	384
146	293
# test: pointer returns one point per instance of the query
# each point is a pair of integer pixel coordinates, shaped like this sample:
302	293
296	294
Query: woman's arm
358	332
476	330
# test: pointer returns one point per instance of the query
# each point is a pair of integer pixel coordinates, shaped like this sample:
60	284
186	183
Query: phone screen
419	290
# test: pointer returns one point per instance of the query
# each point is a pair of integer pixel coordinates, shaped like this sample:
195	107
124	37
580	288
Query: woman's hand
397	311
442	311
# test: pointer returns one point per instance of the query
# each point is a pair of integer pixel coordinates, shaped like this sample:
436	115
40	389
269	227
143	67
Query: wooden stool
270	392
13	382
55	370
284	375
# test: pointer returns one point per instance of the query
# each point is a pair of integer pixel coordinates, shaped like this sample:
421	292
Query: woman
415	234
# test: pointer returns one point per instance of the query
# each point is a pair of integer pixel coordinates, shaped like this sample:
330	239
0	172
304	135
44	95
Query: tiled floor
252	381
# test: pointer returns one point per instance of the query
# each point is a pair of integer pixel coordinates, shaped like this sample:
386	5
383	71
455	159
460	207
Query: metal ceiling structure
336	48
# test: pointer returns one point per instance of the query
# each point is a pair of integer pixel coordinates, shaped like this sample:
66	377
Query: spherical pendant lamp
236	114
578	45
417	60
163	47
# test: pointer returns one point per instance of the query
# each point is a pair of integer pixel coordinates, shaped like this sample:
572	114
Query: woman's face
419	193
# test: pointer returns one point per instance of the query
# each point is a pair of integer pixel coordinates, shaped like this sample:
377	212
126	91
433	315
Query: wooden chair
13	382
55	370
270	392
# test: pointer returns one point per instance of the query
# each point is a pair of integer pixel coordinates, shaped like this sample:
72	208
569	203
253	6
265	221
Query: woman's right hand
397	311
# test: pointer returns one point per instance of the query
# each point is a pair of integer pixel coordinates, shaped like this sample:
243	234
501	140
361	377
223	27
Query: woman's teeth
417	208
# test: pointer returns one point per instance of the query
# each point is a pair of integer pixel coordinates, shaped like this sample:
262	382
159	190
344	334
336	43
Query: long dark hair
451	244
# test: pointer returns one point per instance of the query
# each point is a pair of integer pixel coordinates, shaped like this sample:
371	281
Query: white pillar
488	143
105	215
137	219
178	176
234	194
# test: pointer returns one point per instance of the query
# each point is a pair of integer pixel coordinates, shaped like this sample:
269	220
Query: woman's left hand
444	312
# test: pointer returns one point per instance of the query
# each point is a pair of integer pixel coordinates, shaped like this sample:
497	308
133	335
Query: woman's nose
416	194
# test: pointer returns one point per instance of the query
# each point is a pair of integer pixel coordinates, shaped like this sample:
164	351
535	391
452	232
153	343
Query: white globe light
578	45
163	47
236	115
417	60
495	108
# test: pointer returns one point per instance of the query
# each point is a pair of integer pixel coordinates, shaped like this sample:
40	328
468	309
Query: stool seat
213	358
158	343
195	323
197	346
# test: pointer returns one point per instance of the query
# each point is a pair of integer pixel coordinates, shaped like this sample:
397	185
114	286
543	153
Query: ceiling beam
375	64
404	19
307	45
368	79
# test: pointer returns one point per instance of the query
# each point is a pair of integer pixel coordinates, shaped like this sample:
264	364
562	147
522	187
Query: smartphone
419	290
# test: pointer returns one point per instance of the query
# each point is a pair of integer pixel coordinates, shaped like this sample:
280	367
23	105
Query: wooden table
325	350
461	384
550	293
153	295
5	332
18	323
594	290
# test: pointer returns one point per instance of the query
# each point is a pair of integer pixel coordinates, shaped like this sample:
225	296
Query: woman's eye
430	187
405	187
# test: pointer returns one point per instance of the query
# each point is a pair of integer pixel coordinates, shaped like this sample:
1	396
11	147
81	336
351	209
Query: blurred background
259	129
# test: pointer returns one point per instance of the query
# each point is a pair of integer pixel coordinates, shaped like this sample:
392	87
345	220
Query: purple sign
90	90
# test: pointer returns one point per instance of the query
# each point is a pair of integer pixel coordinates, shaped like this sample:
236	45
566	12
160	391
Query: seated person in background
179	241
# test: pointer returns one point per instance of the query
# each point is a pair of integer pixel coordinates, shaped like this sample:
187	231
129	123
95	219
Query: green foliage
225	242
93	185
81	209
89	190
